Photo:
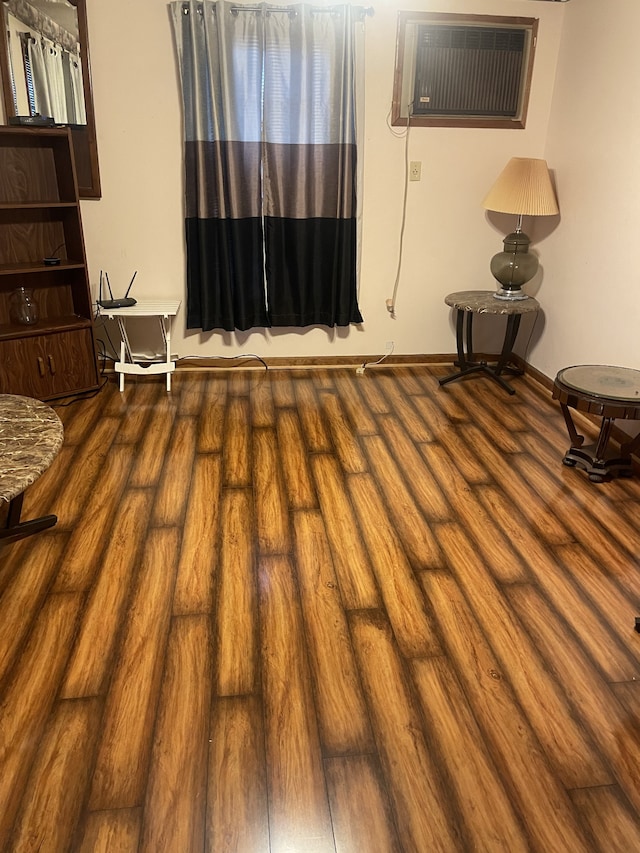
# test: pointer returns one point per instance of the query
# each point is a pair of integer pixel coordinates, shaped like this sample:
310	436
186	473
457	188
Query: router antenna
109	285
130	283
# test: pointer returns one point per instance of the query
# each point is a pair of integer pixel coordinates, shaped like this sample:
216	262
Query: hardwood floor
311	611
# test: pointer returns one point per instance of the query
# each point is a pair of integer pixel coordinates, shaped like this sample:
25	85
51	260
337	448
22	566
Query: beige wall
449	238
594	145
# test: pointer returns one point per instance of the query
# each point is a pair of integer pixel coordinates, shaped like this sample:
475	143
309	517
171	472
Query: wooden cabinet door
46	366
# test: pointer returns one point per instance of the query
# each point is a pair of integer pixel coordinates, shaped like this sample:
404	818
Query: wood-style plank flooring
311	611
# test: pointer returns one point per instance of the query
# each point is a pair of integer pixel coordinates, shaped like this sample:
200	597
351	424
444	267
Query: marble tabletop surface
485	302
31	435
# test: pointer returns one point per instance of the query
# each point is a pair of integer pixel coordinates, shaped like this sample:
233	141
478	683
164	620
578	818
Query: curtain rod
369	11
235	9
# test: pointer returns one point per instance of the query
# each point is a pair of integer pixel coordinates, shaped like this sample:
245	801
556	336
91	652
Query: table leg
462	360
15	529
122	359
603	439
15	508
165	323
510	335
124	337
469	357
575	439
465	361
594	458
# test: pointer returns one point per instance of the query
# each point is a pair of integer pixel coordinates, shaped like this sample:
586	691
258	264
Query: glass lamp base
513	267
509	295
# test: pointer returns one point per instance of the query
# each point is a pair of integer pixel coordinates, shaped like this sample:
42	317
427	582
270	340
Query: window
270	99
463	70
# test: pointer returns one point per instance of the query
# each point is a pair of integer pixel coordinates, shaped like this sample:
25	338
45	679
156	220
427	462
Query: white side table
164	310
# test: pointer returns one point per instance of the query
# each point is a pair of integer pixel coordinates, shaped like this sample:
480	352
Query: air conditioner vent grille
468	70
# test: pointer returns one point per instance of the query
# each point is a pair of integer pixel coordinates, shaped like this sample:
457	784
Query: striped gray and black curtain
270	163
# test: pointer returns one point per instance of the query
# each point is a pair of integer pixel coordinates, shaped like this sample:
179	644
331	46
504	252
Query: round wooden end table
31	435
610	393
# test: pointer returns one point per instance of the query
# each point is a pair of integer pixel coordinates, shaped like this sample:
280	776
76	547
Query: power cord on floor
361	369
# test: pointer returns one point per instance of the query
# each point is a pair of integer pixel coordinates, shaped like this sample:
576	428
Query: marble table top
485	302
31	435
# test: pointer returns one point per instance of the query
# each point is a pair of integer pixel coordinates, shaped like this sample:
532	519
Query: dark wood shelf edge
36	205
23	269
10	332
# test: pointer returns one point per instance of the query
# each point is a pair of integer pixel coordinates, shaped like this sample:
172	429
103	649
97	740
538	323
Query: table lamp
523	188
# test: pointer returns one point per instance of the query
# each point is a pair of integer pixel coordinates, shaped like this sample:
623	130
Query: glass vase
23	307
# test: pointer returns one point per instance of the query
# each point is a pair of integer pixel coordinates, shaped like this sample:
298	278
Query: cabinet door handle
52	365
41	366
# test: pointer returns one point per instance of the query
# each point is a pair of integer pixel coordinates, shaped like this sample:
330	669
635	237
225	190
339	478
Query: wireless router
126	300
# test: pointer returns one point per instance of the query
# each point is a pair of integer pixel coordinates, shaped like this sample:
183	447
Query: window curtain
75	91
57	81
271	166
43	103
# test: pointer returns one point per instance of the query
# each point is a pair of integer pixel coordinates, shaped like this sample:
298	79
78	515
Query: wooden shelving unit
40	217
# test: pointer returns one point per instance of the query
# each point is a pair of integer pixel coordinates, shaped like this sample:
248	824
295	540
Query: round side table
31	435
610	393
470	302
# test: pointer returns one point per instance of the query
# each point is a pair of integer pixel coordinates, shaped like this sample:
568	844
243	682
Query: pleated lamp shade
523	187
